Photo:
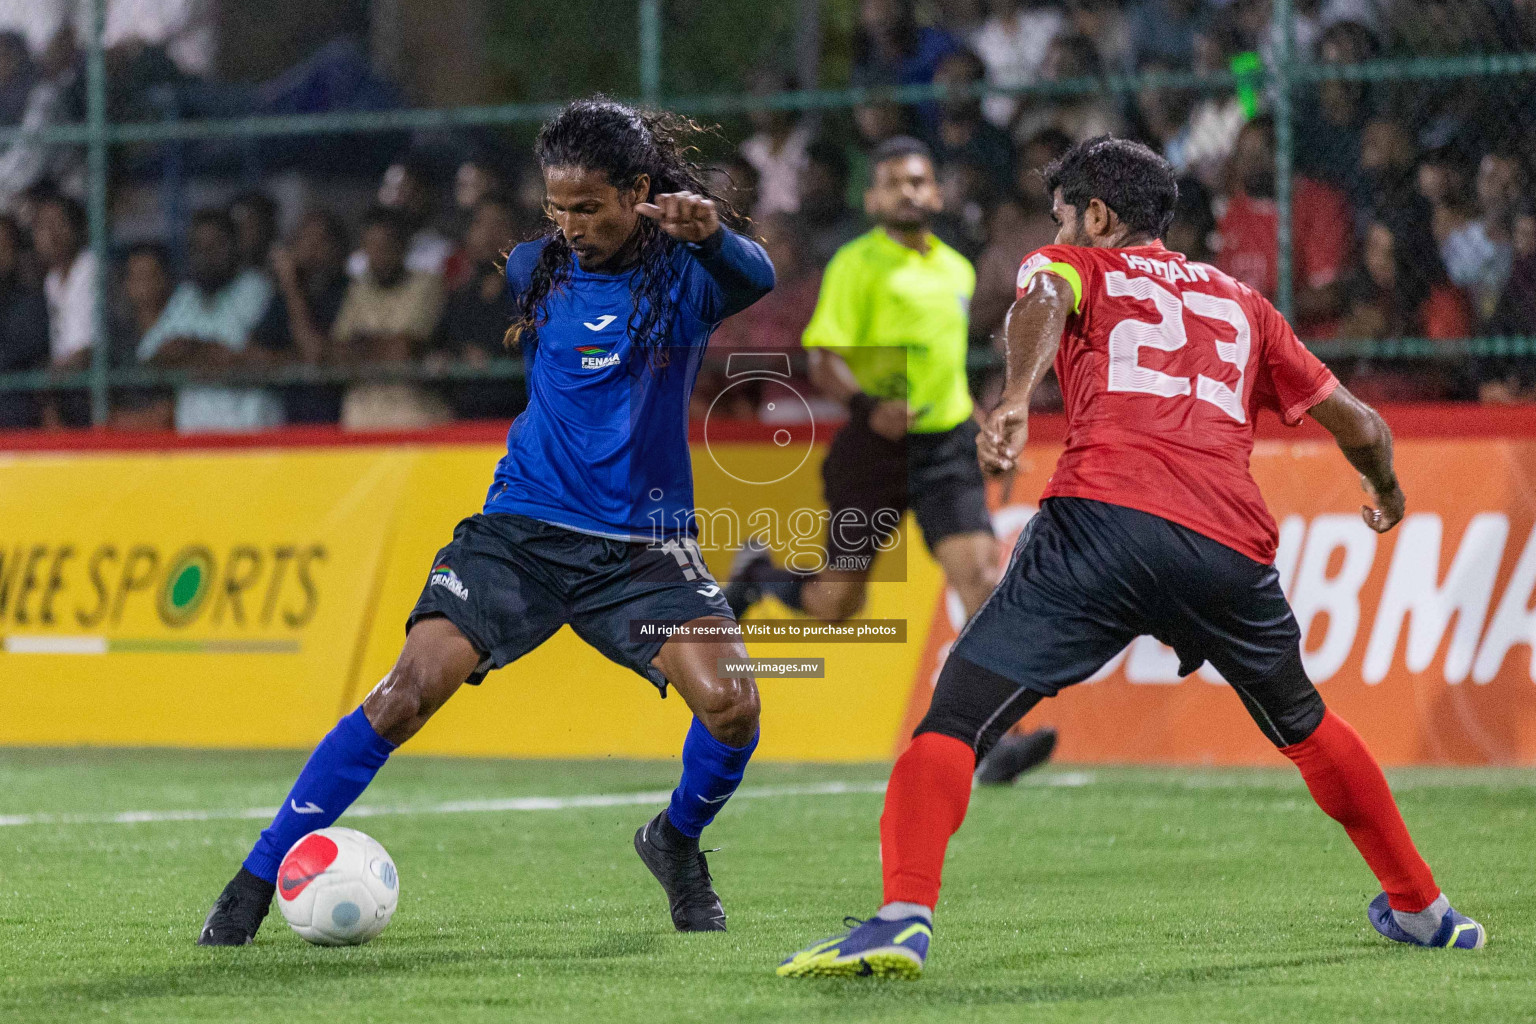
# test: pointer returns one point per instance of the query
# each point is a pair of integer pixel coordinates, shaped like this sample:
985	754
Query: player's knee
1301	717
403	701
1286	707
730	711
836	602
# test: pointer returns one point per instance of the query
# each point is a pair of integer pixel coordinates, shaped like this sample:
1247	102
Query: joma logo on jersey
443	576
595	357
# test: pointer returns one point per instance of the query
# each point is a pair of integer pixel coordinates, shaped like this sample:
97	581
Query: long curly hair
622	143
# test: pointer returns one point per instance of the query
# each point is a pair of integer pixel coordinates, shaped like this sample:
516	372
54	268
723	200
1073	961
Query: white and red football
337	887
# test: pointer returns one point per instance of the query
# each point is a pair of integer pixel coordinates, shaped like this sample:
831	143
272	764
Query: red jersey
1163	366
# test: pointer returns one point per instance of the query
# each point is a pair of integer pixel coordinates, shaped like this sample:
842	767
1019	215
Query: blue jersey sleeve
520	263
732	272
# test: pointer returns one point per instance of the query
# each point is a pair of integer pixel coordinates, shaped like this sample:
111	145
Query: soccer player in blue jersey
589	519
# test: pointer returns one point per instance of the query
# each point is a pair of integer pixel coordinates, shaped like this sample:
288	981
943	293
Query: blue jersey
603	446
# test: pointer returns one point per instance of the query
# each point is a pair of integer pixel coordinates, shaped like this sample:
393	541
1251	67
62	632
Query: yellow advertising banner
248	598
188	599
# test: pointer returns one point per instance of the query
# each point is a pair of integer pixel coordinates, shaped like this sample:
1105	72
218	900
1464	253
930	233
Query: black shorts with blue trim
508	583
1086	578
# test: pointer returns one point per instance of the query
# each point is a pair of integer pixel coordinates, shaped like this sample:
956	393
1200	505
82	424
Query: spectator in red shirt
1320	228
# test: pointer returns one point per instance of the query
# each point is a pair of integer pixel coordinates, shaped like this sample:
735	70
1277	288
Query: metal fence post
1285	55
96	207
650	50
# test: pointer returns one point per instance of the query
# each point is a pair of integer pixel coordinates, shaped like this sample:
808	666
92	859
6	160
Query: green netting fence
1289	84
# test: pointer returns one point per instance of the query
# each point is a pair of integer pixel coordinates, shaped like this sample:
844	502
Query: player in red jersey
1151	524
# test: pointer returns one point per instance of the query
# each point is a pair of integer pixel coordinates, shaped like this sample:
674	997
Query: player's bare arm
831	376
1366	441
1032	334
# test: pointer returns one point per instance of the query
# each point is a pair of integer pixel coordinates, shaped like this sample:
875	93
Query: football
337	887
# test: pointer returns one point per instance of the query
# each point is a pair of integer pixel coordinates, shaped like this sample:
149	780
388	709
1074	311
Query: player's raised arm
1032	333
1366	441
738	266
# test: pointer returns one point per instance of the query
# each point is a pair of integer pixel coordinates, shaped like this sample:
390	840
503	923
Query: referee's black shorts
1086	578
870	482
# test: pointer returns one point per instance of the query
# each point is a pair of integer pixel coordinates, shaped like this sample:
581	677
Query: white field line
504	805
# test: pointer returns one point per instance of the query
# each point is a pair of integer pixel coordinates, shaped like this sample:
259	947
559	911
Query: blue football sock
340	768
711	773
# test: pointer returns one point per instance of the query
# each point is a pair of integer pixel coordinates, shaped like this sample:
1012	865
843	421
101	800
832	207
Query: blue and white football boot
1456	931
871	949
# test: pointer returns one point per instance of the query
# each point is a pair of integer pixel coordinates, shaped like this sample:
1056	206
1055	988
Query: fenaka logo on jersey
595	357
443	576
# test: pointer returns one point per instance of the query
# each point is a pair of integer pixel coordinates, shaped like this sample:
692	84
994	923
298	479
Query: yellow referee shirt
898	318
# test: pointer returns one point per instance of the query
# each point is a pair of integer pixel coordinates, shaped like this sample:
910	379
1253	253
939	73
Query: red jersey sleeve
1291	379
1071	263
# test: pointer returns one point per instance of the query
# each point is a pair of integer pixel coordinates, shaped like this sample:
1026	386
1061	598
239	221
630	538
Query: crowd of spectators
395	290
1411	212
1410	208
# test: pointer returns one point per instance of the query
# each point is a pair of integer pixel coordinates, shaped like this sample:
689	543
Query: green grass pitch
1133	895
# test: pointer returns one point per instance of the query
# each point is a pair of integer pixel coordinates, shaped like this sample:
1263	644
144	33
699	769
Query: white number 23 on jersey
1167	335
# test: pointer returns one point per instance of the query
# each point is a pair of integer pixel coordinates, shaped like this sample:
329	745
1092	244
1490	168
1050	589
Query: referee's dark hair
898	146
1130	179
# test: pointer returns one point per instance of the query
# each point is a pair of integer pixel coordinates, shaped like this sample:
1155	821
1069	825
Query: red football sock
1347	784
925	803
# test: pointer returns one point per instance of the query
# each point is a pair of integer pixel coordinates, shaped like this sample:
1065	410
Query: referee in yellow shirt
888	340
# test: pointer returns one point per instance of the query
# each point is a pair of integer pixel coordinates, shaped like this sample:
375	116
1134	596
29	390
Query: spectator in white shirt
1012	44
776	150
26	163
207	325
407	187
59	234
1480	255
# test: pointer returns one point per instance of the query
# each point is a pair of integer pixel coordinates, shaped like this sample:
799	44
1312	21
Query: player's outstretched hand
1386	508
683	215
1002	438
